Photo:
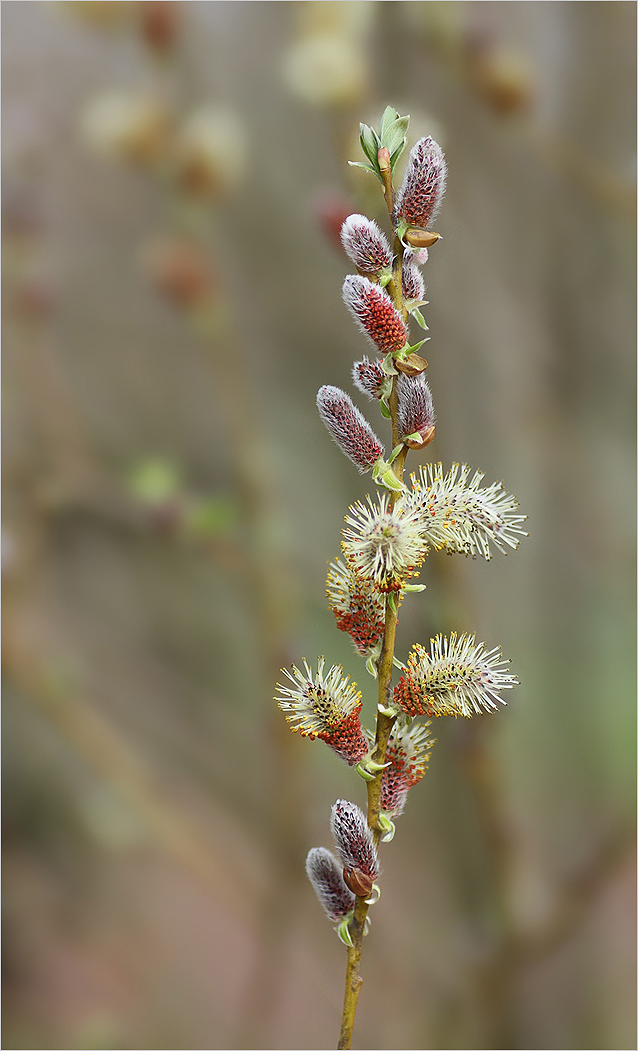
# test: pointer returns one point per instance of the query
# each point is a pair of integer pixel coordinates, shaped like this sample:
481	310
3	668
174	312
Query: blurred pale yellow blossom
102	14
504	78
444	25
327	64
335	17
211	151
326	70
126	125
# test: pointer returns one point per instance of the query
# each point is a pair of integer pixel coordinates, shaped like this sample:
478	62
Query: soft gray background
157	811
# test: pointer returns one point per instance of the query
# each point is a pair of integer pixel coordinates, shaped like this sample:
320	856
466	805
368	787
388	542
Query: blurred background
175	177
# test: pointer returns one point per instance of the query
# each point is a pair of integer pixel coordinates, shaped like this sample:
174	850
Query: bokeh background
175	176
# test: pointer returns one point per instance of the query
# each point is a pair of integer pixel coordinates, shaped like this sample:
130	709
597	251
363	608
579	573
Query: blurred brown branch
497	974
100	745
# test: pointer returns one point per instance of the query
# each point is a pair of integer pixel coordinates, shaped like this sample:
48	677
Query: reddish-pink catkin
368	376
409	694
394	794
398	778
347	740
358	607
350	430
375	314
363	623
423	185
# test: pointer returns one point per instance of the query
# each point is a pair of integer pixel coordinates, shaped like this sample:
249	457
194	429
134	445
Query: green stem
354	981
353	978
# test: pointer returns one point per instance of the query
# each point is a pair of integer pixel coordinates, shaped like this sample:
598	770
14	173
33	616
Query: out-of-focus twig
97	742
574	899
514	949
185	277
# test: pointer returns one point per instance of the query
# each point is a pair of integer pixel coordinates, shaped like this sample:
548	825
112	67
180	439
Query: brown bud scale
358	882
418	238
425	440
412	365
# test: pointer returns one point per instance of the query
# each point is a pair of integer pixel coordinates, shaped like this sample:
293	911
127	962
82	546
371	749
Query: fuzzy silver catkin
326	875
412	282
365	244
349	429
423	186
353	837
415	257
415	408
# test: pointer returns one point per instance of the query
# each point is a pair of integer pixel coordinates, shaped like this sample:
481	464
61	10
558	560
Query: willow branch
384	724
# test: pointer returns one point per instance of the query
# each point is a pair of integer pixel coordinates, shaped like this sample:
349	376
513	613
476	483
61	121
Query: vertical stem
353	978
354	981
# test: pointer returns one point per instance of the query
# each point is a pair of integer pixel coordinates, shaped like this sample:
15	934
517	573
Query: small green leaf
394	136
343	931
375	767
383	475
418	317
371	667
402	228
385	411
390	711
387	826
411	348
366	167
388	365
369	142
389	116
395	156
376	894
